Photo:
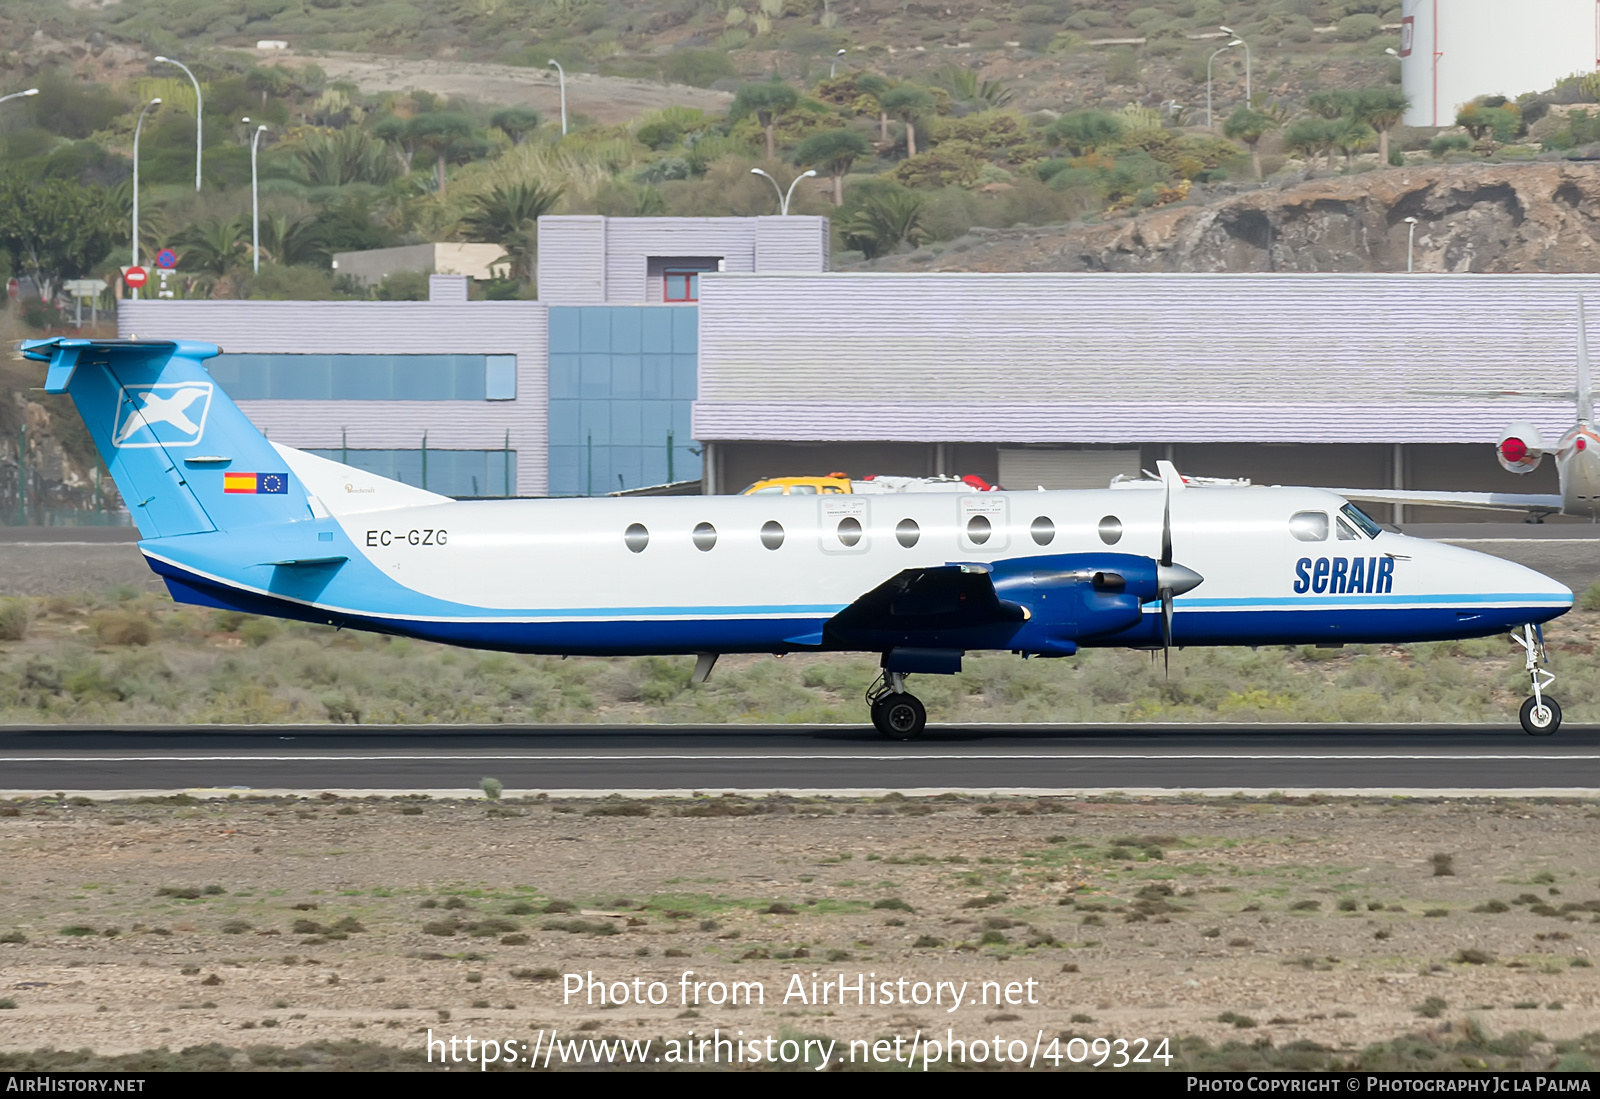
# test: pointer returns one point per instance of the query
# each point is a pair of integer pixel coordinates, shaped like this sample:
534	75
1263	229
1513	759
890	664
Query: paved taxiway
1222	758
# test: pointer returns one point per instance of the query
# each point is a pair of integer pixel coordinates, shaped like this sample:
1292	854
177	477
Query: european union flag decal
256	484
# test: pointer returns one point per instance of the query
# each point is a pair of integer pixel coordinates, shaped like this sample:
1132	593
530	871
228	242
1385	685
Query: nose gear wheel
1540	716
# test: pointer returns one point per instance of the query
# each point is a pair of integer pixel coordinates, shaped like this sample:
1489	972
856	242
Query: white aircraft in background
1520	449
231	520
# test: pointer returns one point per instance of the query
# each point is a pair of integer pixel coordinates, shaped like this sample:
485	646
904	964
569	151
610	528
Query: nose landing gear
896	714
1540	716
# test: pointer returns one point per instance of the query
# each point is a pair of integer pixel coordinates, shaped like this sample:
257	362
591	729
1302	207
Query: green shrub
16	619
1358	28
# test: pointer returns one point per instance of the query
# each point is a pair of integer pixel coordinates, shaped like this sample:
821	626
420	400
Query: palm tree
1250	126
883	221
964	86
835	151
908	103
508	216
766	101
215	246
1382	109
1349	136
872	86
1308	137
517	122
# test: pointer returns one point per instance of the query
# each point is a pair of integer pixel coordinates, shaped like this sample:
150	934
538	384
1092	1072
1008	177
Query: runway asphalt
1219	759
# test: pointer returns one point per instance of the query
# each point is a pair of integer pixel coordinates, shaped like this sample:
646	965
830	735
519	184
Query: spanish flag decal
256	484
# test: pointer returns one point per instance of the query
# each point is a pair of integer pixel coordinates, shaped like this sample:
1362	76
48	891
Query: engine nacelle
1074	596
1521	448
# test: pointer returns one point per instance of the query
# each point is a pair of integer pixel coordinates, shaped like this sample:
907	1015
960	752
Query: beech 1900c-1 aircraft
231	520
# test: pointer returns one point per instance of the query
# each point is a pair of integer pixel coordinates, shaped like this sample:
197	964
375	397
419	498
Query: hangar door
1023	470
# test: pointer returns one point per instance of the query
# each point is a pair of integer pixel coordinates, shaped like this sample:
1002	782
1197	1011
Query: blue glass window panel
653	466
626	462
677	287
625	375
565	330
426	380
625	330
564	376
301	378
594	422
625	423
500	377
596	376
565	422
655	377
685	384
363	378
680	421
242	377
686	331
595	326
566	466
655	422
656	330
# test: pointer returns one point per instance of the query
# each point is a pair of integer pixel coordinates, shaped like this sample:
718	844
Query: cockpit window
1345	531
1361	519
1309	526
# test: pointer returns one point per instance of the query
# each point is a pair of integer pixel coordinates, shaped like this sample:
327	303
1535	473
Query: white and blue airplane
232	520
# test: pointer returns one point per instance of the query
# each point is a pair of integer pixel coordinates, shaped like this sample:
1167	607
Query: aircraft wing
1539	503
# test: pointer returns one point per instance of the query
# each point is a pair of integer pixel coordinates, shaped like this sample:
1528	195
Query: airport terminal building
724	349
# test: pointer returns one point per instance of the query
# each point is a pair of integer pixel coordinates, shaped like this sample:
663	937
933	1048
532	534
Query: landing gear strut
896	714
1540	716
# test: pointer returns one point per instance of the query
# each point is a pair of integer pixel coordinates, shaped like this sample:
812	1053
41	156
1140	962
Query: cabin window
636	537
772	534
1309	526
1362	520
1110	529
849	530
1043	531
978	530
906	532
704	536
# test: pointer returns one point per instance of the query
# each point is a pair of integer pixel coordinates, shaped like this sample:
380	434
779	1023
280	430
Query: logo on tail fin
162	414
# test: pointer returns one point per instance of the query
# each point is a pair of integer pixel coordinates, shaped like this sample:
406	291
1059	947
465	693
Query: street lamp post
1210	59
19	95
198	112
156	102
1246	45
255	205
1411	236
562	73
833	63
783	198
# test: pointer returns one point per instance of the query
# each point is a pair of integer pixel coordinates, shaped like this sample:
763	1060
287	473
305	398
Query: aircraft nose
1177	578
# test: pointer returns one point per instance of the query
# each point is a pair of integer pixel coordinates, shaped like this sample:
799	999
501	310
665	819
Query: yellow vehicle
800	486
875	484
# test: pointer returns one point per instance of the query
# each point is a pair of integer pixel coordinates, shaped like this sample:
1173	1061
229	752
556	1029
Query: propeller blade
1166	631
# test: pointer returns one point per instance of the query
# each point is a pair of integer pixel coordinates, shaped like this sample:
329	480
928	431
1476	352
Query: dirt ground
1338	923
607	100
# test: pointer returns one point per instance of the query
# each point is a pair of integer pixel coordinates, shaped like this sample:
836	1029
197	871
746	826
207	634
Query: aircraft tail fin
184	457
1585	379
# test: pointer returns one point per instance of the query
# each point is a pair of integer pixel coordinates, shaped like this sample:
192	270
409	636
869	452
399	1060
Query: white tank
1452	51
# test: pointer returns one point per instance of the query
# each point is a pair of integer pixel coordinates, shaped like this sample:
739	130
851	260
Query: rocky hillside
1528	216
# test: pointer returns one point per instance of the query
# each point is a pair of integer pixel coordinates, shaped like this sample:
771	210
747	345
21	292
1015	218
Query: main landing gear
895	713
1540	716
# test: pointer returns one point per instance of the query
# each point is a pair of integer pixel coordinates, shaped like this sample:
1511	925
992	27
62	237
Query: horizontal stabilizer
1487	501
345	490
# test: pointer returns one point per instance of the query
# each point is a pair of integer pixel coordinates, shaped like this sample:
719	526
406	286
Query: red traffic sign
135	277
166	258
